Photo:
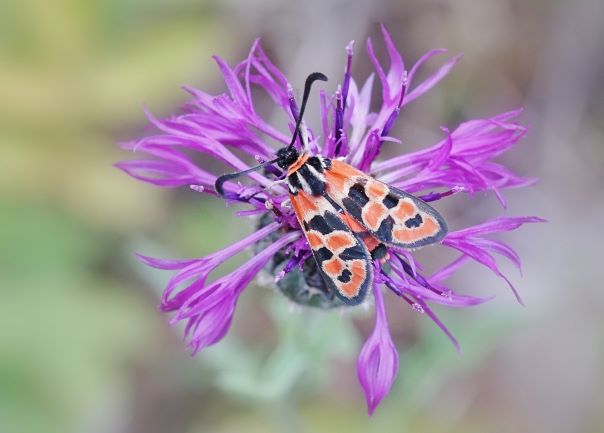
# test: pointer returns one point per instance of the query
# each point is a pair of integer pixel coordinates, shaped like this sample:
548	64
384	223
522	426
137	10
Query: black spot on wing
353	253
344	277
384	233
390	201
319	224
414	222
323	254
353	208
326	223
335	222
357	194
315	163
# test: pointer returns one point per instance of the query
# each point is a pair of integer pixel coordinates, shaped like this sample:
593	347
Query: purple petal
480	255
380	72
347	71
208	309
432	80
165	264
403	286
235	88
397	66
496	225
377	365
438	323
201	268
450	269
159	173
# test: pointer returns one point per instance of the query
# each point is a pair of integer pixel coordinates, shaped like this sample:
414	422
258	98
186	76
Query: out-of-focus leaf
309	340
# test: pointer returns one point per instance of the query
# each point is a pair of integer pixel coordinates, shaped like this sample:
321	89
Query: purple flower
225	126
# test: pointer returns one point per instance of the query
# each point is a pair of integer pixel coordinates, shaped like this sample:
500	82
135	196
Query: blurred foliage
66	327
72	80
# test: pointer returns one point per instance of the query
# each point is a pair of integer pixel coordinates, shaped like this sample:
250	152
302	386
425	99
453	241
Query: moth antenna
268	188
219	184
307	86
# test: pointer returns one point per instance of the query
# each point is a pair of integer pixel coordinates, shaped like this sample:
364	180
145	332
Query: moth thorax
309	177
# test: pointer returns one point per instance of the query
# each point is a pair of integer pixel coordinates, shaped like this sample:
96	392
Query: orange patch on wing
376	190
344	169
427	229
303	203
297	164
352	223
405	236
335	181
371	243
333	267
338	174
339	240
403	210
351	288
314	240
373	214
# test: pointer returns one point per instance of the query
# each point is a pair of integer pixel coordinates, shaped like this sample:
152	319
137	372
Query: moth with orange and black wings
348	217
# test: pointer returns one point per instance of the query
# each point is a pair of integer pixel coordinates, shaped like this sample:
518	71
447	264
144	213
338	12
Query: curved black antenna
218	186
307	85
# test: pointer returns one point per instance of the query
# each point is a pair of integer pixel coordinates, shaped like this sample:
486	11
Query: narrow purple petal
235	88
432	80
481	256
405	284
165	264
248	66
397	66
159	173
379	71
372	149
339	122
208	309
395	112
426	309
496	225
347	71
377	366
201	268
359	120
448	270
423	59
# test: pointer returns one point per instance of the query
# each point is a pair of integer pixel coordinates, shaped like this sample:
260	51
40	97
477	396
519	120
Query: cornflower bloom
215	126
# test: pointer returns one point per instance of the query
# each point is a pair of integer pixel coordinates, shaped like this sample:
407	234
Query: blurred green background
82	346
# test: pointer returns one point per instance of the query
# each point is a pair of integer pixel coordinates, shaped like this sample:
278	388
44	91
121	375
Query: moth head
287	156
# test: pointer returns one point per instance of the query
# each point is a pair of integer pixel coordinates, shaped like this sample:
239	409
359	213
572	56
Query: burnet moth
348	217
